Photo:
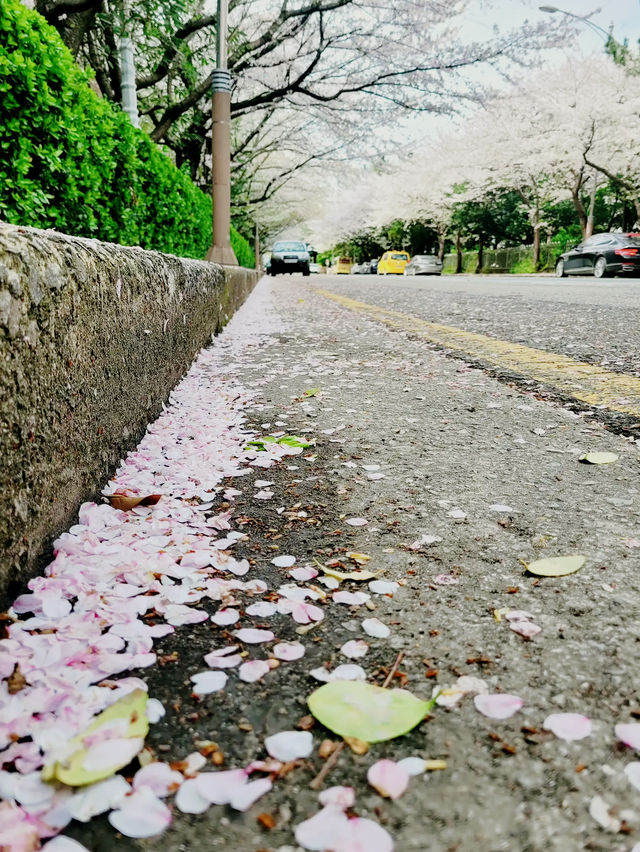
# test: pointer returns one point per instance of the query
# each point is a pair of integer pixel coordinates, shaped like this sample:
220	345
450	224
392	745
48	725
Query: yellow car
341	266
393	263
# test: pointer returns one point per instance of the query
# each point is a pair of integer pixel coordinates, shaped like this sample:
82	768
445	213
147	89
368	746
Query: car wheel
560	270
305	271
600	267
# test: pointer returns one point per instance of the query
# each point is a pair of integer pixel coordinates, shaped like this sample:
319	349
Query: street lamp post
221	251
599	30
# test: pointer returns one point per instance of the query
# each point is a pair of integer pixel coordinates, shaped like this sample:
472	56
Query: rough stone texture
93	336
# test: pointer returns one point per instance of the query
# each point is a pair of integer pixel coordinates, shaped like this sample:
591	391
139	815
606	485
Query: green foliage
524	266
72	161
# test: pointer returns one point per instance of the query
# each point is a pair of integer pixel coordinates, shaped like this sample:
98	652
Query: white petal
289	651
289	745
388	778
413	765
189	799
253	636
159	777
97	798
253	670
354	648
207	682
284	561
142	815
243	798
374	627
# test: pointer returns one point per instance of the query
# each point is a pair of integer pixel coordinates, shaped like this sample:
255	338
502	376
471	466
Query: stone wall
93	336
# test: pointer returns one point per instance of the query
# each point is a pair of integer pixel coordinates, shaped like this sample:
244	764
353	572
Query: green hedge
72	161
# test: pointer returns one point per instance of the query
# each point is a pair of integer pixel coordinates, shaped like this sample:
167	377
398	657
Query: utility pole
221	251
128	68
256	246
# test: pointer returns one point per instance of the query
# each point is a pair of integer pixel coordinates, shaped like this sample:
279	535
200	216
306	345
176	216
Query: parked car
602	255
341	266
393	263
373	265
289	256
424	264
315	268
360	269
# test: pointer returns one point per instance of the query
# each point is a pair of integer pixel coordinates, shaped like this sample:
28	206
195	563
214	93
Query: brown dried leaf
124	502
16	680
357	746
306	723
327	748
266	821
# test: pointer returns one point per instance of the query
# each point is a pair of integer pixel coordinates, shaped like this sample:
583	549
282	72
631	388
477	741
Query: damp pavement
463	476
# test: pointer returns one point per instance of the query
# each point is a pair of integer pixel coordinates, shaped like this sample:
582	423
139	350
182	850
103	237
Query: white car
423	264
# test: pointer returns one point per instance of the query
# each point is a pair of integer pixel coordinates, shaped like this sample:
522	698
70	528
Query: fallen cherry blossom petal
284	561
325	830
413	765
208	682
64	844
289	651
629	734
301	575
224	617
243	797
321	674
155	710
498	706
365	834
189	800
253	636
141	815
261	609
602	814
375	627
253	670
388	778
383	587
518	615
527	629
97	798
218	787
289	745
568	726
340	797
354	648
445	580
159	777
499	507
348	671
228	662
350	598
632	771
357	522
116	752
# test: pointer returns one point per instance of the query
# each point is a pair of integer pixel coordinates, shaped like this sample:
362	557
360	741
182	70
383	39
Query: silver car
424	264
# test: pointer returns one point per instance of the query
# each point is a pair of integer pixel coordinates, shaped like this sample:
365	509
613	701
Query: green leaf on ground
286	441
598	458
556	566
370	713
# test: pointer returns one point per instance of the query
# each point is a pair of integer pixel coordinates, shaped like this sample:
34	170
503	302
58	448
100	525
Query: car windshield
289	247
400	256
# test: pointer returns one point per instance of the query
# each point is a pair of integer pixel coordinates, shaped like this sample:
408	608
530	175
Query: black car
602	255
289	256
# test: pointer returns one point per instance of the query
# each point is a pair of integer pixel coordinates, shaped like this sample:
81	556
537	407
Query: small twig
330	762
394	668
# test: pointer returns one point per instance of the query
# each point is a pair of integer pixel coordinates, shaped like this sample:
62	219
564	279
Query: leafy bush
72	161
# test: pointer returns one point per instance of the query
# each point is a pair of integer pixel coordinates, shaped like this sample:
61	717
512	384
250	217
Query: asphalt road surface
449	418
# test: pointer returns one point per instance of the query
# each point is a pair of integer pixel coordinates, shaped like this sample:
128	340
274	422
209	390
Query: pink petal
141	815
301	575
215	661
525	628
253	670
219	787
629	734
375	627
365	835
207	682
348	671
518	615
160	778
252	636
498	706
568	726
189	800
289	745
351	598
357	522
383	587
284	561
354	648
340	797
388	778
244	797
325	830
445	580
224	617
289	651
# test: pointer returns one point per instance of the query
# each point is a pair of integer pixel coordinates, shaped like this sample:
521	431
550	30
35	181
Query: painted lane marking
586	382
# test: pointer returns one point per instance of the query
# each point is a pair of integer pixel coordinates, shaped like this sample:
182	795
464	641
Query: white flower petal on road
357	522
383	587
243	797
253	670
141	815
64	844
518	615
370	467
289	745
284	561
116	752
218	787
498	706
354	648
321	674
632	771
97	798
425	540
375	627
339	797
224	617
154	710
205	683
568	726
388	778
262	483
365	834
458	514
526	629
261	609
325	830
445	580
413	765
375	476
629	734
253	636
189	800
159	777
301	575
601	813
499	507
288	651
215	661
465	685
351	598
263	495
348	671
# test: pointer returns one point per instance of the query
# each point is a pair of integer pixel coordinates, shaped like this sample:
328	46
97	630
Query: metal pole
256	247
128	68
221	251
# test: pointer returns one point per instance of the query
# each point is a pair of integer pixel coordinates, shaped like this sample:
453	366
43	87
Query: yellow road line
586	382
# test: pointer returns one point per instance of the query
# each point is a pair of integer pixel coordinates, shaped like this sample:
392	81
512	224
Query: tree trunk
592	204
480	262
442	235
458	254
580	210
